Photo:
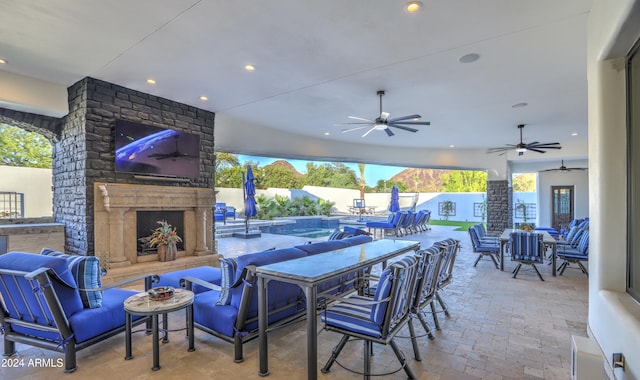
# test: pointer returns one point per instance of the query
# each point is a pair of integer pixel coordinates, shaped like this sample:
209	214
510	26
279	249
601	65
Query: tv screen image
147	149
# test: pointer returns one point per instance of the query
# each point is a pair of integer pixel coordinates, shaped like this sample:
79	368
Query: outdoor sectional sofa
228	307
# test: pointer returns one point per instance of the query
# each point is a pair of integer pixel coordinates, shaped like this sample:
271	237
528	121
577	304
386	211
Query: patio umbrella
394	205
249	200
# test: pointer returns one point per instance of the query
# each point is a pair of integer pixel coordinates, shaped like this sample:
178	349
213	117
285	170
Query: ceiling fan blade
410	122
384	116
402	127
408	117
541	145
369	131
354	129
360	118
349	124
499	149
535	150
389	132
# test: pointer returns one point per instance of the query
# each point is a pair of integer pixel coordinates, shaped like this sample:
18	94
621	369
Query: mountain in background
283	164
429	180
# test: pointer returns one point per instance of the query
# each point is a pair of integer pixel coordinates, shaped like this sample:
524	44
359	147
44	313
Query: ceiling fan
521	147
173	155
384	123
563	168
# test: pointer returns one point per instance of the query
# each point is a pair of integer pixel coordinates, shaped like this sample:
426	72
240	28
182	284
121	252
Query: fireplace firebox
147	221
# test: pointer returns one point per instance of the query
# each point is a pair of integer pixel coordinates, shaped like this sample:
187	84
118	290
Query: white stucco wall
614	317
34	183
580	182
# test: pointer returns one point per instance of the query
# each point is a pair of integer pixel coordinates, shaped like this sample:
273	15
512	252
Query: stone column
117	257
201	233
498	206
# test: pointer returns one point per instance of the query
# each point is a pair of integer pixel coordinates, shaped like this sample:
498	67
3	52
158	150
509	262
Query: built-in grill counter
30	235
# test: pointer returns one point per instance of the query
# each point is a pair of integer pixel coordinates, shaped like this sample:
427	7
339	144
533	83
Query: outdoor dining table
547	239
309	272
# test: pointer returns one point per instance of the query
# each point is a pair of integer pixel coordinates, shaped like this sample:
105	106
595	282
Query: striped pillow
86	272
228	267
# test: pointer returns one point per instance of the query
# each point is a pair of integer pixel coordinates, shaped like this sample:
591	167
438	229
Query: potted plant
165	237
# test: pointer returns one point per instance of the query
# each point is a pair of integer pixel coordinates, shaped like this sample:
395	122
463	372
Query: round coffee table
142	304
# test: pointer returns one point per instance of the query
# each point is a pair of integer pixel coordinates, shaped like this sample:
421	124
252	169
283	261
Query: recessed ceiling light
520	105
151	81
469	58
574	134
451	146
2	61
249	67
204	98
413	6
327	133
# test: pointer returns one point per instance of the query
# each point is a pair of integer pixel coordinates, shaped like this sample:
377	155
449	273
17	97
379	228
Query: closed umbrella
394	205
249	200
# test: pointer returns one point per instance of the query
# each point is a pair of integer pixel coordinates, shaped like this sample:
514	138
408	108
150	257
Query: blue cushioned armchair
222	211
40	305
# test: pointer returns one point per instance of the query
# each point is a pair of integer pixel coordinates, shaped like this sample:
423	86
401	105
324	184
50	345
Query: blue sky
372	173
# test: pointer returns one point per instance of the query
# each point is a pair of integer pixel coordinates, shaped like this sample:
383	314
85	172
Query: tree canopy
21	148
461	181
524	183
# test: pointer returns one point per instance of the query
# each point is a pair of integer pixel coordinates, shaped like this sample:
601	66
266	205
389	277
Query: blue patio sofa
234	318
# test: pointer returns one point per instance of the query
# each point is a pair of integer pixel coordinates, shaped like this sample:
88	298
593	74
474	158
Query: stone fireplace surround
115	210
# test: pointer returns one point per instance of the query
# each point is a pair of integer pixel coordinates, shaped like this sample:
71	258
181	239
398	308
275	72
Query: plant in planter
165	237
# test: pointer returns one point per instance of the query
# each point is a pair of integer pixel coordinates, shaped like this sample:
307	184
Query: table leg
262	327
312	338
502	245
127	335
190	328
156	344
165	328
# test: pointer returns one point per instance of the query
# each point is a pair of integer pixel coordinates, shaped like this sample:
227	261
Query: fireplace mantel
116	206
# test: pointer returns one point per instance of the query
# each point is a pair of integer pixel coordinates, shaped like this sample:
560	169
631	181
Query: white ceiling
319	62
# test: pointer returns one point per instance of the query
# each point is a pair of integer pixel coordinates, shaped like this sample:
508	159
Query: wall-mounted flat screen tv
145	149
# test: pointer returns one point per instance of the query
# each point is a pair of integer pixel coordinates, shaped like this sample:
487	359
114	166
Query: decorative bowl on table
161	293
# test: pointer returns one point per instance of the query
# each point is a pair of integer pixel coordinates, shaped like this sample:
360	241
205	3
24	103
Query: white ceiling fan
384	123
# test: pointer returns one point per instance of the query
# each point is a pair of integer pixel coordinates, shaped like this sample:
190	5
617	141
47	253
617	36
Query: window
633	167
11	205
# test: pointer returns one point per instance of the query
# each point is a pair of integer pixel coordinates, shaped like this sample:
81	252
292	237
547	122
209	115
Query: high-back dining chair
526	248
377	319
424	294
445	275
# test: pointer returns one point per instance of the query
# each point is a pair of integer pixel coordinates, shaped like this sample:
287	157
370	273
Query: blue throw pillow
86	272
228	267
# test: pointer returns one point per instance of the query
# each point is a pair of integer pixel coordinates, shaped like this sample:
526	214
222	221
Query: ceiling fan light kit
384	123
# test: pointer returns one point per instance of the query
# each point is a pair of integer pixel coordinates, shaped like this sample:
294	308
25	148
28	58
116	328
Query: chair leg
536	269
495	262
563	266
584	269
334	354
477	260
516	270
368	348
402	360
414	340
443	305
434	313
425	326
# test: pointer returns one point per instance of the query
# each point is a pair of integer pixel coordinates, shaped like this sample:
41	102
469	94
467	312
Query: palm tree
362	184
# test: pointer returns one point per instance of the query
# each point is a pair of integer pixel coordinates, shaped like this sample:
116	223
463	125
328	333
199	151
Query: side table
141	304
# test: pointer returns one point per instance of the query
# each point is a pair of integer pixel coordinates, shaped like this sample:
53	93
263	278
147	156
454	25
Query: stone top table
142	304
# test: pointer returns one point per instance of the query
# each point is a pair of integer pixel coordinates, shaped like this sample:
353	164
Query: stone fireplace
116	210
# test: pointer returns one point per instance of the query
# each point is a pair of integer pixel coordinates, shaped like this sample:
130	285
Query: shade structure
394	205
249	198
